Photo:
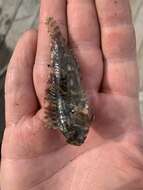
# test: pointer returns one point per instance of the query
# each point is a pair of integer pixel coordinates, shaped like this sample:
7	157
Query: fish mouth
77	136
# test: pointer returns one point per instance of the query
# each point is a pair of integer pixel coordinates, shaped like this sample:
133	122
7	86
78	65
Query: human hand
34	157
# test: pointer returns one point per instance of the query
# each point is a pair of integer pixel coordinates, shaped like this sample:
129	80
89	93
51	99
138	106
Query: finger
84	37
119	47
49	8
20	96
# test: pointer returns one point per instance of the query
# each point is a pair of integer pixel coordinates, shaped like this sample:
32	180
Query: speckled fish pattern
68	106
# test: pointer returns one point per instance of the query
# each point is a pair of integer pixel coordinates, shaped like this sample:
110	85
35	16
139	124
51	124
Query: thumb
20	96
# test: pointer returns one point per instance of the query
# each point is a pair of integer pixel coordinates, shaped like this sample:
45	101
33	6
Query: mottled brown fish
68	107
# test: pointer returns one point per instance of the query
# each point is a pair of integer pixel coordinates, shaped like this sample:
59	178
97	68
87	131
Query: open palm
36	158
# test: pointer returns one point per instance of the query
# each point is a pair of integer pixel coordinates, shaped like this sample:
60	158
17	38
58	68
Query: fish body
68	105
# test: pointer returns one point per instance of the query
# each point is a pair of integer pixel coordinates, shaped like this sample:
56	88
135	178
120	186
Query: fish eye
72	111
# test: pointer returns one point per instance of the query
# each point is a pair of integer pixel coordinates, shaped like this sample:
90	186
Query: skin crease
35	158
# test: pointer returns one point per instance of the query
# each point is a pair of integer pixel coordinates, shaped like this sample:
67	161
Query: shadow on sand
5	54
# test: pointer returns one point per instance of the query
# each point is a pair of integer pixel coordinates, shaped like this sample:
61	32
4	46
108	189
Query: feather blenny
67	109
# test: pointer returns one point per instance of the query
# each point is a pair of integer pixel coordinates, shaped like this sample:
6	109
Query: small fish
67	103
